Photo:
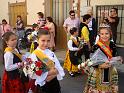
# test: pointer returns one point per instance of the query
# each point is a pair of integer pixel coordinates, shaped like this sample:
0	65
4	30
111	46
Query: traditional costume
103	80
40	81
33	38
12	82
73	56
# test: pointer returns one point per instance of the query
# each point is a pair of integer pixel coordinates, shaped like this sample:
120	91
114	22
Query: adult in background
112	20
4	27
71	22
41	20
92	27
51	29
20	26
84	34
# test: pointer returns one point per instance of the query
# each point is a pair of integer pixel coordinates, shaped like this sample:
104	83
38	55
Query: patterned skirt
12	86
68	65
95	82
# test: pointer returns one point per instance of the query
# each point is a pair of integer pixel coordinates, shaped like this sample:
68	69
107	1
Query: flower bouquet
81	43
37	67
99	57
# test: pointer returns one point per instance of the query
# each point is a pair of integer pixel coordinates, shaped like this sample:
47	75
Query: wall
93	3
4	13
33	6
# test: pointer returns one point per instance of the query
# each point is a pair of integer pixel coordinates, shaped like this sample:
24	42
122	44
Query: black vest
15	73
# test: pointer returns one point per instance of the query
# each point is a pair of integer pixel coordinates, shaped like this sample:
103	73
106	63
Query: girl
48	81
104	77
72	60
11	82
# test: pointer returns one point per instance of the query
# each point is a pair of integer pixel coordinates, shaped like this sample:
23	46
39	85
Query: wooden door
17	9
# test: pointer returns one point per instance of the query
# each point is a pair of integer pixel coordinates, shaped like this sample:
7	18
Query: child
33	37
48	81
11	82
103	78
72	60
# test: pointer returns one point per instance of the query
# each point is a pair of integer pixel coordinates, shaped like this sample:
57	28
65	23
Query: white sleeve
39	79
8	60
59	68
70	47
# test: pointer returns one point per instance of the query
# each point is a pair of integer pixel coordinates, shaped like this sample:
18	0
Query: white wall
83	4
33	6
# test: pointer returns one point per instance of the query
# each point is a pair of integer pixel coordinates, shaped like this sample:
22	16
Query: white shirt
70	47
8	60
90	25
41	79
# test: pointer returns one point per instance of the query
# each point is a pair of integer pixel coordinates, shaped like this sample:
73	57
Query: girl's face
12	42
76	33
104	35
87	21
44	41
18	18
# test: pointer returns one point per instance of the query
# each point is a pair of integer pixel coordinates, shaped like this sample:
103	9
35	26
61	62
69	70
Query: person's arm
65	26
111	20
70	47
41	80
8	60
57	71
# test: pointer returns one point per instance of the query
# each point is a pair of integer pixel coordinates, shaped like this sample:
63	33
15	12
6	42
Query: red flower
28	60
38	64
39	72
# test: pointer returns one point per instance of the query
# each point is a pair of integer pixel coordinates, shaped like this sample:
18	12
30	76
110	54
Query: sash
44	58
8	49
76	43
105	48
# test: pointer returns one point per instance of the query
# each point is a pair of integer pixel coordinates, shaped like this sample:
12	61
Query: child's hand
20	64
49	78
105	65
52	74
53	71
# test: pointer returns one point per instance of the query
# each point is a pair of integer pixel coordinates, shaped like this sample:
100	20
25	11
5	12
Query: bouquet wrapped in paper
99	57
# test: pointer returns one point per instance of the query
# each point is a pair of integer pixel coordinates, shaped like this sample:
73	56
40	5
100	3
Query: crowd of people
82	39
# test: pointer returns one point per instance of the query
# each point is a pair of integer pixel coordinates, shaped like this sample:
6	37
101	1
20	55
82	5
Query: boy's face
44	41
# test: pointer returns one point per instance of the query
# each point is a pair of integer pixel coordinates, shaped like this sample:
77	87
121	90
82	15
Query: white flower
25	71
79	66
83	64
36	68
33	66
90	63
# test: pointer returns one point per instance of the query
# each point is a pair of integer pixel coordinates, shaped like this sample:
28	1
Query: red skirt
12	86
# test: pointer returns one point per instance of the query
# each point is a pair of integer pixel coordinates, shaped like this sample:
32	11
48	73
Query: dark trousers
86	51
50	87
